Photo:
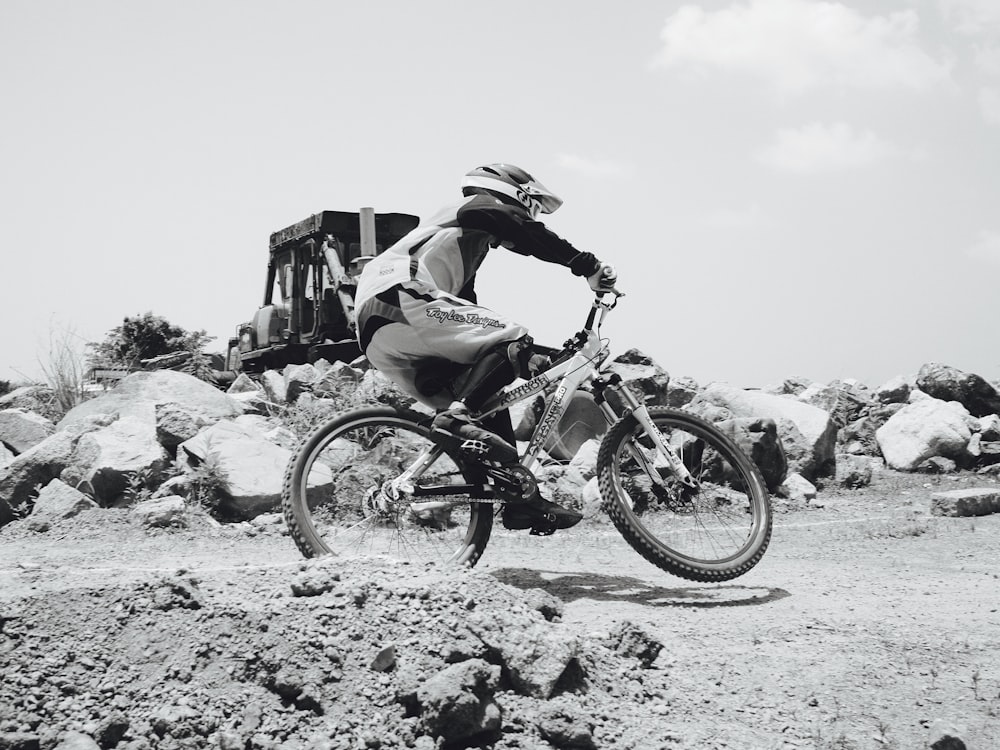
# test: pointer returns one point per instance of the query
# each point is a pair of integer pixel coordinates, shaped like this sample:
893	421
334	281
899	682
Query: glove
604	279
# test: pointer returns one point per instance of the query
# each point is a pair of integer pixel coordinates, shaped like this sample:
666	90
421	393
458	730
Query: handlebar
599	303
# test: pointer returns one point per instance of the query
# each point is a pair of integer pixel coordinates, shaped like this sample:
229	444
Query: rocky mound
334	654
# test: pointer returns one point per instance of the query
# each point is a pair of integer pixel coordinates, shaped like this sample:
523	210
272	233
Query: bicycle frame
564	379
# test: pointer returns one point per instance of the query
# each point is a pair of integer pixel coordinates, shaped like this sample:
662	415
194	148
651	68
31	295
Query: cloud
592	167
972	16
988	59
986	248
798	45
824	148
989	104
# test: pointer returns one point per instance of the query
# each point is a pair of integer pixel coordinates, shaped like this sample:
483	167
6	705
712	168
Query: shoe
542	516
475	440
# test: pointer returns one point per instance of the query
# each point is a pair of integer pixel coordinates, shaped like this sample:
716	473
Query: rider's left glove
604	279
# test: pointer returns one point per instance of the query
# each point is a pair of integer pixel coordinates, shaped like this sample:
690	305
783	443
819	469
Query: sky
788	188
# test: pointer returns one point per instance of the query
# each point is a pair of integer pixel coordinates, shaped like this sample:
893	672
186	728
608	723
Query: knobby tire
329	483
715	534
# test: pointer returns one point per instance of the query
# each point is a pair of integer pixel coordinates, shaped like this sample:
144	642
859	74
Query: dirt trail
868	623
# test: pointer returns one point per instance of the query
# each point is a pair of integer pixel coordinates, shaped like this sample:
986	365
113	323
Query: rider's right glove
603	280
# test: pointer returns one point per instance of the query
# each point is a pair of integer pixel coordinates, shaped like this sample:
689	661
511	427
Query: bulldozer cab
308	307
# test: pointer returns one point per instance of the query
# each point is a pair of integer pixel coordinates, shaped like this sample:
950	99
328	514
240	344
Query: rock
544	603
536	654
56	501
252	466
137	395
853	471
944	736
33	398
792	386
592	504
176	592
584	460
335	379
974	501
924	429
38	465
758	438
160	512
19	741
175	424
681	391
6	456
630	640
853	399
566	726
562	484
825	397
21	430
243	384
274	386
808	435
937	465
648	381
950	384
894	391
105	459
456	704
385	659
299	379
989	427
77	741
797	489
377	388
316	580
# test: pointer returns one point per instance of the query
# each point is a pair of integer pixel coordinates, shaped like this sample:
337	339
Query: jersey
446	252
416	301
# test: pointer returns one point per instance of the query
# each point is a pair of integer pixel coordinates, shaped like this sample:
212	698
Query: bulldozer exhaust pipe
367	219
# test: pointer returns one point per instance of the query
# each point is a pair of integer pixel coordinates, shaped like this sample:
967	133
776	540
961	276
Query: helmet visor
547	201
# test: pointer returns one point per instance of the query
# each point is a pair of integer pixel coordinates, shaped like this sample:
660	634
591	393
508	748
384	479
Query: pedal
474	448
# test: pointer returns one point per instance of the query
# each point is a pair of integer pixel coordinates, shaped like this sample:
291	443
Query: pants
410	325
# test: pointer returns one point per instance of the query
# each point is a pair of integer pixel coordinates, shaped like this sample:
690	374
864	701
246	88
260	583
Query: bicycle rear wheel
337	495
714	533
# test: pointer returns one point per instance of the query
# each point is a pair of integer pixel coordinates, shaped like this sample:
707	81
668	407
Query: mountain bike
681	492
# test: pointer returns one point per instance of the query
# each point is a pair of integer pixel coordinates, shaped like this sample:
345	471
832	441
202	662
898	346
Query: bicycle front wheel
713	533
338	496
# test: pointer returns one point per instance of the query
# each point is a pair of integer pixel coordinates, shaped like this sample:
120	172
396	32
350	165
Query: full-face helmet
511	184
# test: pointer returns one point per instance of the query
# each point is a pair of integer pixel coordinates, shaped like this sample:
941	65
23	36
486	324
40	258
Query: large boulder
758	438
138	394
20	429
808	434
950	384
56	501
109	459
34	398
925	429
895	390
457	704
649	381
252	467
38	465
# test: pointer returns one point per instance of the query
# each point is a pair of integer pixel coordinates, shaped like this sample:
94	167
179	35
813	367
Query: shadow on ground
572	586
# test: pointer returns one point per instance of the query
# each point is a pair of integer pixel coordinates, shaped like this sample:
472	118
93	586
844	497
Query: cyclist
419	322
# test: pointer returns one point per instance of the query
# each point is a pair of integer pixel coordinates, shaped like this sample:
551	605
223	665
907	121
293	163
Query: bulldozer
312	271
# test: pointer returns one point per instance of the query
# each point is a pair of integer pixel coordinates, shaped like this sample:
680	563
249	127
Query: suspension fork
632	406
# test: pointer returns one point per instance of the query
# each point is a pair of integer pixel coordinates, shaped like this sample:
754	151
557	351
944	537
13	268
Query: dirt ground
869	623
